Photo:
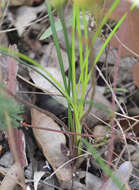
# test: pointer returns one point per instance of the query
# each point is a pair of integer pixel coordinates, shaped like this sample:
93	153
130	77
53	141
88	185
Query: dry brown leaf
50	57
51	144
25	15
24	2
128	31
20	2
44	84
12	178
135	71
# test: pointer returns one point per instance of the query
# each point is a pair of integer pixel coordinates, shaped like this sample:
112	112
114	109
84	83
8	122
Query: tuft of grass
73	87
71	90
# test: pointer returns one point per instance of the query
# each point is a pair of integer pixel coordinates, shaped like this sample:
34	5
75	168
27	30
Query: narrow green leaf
60	60
102	164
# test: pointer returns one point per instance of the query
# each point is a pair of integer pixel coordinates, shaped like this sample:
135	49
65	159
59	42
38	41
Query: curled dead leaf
12	178
50	143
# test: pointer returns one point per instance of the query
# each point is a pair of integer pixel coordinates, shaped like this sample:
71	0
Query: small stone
100	131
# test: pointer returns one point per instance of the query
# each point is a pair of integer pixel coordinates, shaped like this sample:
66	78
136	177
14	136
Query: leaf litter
53	146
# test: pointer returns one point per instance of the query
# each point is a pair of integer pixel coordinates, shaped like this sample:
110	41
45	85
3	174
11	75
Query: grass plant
71	89
85	76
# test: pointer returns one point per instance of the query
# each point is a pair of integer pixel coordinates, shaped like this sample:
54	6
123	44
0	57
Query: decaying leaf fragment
12	178
20	2
25	15
51	144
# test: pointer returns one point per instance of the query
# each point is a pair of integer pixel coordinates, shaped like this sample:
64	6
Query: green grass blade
107	41
102	164
68	50
85	64
37	71
60	60
110	36
105	19
81	81
80	40
73	54
68	47
13	54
